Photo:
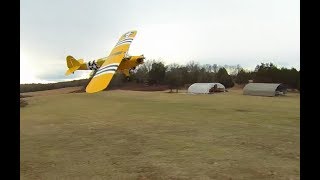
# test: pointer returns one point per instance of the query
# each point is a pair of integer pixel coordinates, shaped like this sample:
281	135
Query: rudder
72	64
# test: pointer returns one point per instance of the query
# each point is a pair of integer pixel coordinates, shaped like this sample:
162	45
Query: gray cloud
215	32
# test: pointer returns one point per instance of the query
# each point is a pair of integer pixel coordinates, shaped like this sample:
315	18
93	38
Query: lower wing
104	75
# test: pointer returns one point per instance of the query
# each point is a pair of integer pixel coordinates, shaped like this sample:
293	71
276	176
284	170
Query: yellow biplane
104	68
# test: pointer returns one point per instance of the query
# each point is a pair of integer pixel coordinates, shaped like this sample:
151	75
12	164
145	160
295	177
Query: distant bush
242	77
224	78
23	102
270	73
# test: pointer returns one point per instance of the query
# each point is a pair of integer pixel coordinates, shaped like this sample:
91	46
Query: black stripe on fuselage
106	70
107	67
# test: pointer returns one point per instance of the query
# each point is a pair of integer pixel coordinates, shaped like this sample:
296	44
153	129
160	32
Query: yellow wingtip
68	72
93	90
99	83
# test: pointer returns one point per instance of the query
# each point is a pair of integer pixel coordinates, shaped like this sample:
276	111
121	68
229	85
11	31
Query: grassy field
158	135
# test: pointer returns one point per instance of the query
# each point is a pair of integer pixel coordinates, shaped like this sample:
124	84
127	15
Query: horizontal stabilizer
80	61
72	70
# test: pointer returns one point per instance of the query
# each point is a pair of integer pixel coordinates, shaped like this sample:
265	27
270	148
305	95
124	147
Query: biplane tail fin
72	64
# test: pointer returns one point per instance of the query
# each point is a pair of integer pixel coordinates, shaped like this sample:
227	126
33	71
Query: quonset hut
206	88
264	89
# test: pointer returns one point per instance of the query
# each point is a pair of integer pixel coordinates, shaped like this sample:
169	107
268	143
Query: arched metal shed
264	89
206	88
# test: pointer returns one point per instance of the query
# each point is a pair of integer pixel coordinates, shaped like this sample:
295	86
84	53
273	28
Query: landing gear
131	71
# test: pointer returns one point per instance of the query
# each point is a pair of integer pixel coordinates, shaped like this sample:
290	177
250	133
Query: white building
206	88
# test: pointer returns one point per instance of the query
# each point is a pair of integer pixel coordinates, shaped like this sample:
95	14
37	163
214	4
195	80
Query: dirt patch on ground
23	102
237	86
81	89
142	87
52	92
130	87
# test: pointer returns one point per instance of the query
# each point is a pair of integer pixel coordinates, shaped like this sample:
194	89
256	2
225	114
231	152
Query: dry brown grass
156	135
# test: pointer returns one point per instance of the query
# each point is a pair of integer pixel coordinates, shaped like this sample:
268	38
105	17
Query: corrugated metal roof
261	89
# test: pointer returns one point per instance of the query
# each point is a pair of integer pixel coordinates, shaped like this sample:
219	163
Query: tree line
177	76
41	87
153	73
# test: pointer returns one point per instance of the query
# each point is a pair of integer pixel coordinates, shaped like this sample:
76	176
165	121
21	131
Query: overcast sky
223	32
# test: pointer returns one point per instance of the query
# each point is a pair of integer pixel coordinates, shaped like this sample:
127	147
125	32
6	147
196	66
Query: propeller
132	70
140	60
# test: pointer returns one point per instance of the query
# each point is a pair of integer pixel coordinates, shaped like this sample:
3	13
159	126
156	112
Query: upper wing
124	42
105	73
